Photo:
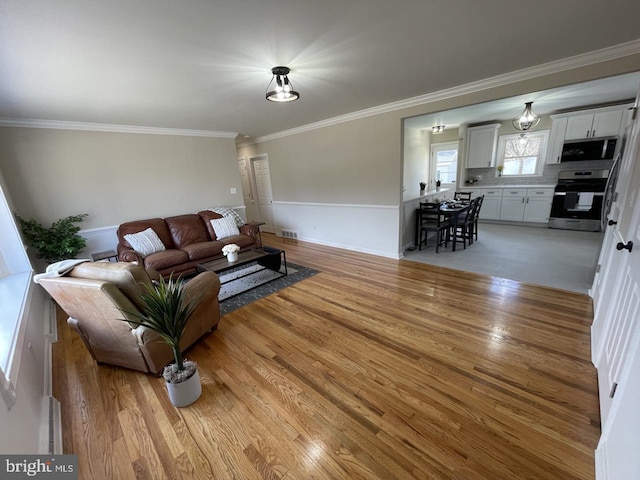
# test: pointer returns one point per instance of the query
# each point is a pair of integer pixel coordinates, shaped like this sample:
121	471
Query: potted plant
423	185
231	252
167	312
58	242
499	168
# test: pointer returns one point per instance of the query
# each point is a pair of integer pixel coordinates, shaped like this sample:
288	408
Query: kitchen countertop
430	193
508	186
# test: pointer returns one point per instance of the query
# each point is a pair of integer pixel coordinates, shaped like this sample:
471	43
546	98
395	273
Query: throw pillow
145	242
224	227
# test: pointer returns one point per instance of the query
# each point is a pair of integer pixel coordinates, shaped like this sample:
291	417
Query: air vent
290	234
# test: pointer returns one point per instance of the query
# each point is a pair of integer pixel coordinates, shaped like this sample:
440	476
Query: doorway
256	191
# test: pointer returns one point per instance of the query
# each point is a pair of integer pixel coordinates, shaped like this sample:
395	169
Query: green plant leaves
58	242
166	312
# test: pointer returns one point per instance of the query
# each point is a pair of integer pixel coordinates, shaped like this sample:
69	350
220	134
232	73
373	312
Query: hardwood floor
372	369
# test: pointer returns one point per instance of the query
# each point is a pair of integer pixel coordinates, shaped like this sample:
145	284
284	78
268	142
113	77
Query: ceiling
596	92
205	64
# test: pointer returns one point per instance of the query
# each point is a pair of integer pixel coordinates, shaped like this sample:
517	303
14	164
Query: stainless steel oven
577	200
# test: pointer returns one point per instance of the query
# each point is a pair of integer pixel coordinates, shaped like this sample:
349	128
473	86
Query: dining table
450	210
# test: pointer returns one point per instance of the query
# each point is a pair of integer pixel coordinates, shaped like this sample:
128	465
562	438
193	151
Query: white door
618	322
247	191
603	288
263	189
618	370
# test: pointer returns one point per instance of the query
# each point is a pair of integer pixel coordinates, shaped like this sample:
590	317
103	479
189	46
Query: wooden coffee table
267	257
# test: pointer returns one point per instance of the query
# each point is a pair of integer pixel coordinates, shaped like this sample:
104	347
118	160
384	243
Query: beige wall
115	177
354	163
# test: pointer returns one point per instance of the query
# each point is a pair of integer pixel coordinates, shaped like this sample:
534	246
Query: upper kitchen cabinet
598	122
481	145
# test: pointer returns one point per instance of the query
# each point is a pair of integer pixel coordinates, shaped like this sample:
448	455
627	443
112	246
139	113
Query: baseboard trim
347	247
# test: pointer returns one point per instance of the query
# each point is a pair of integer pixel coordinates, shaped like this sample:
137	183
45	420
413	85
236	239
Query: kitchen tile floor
563	259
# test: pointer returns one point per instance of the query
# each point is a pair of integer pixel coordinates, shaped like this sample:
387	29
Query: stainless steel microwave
588	149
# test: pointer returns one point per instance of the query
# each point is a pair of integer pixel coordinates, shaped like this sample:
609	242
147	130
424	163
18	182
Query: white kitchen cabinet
556	140
513	203
481	146
538	205
598	124
491	204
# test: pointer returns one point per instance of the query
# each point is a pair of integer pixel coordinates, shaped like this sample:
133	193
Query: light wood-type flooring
373	369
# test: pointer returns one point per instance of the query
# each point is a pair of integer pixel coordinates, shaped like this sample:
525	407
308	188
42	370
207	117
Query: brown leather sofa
189	239
93	294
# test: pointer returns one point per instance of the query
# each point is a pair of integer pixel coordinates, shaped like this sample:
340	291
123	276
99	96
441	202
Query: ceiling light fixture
282	90
527	119
437	128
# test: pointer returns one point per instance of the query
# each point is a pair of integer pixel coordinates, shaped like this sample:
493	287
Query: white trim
344	246
98	230
107	127
577	61
347	205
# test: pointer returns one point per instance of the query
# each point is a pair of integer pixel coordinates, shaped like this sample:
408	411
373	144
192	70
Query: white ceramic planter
232	257
185	393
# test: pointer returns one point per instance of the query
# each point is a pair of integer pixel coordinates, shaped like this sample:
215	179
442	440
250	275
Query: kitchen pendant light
527	119
280	88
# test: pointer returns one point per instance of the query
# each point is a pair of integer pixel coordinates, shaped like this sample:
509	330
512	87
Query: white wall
25	425
353	227
416	161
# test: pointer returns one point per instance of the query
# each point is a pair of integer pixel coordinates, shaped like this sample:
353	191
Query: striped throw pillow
224	227
145	242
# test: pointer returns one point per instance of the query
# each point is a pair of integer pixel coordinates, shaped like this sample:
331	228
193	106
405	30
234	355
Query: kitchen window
522	154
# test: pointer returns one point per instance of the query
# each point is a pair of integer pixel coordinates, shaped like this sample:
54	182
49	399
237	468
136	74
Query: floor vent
289	234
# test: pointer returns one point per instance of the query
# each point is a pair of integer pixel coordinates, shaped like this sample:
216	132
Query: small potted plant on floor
167	312
58	242
231	252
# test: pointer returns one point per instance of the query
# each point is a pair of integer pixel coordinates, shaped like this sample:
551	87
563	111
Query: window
15	279
522	154
444	162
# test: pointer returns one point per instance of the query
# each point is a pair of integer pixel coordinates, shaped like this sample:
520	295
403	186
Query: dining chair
463	232
462	196
476	214
432	220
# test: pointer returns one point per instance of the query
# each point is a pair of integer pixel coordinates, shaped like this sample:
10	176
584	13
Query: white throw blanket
59	269
229	212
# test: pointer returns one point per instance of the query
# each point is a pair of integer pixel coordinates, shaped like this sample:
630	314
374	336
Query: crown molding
107	127
557	66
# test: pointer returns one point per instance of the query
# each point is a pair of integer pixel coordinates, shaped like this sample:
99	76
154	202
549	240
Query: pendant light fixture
280	88
527	119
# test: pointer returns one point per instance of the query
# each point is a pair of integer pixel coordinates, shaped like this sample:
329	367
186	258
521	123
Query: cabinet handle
588	132
522	199
527	199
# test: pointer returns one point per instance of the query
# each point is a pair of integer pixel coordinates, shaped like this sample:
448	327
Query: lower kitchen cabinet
515	204
538	205
491	204
526	204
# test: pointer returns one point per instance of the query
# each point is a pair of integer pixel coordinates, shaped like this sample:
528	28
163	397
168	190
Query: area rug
261	284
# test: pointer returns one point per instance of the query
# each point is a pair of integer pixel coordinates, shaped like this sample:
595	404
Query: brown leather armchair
94	293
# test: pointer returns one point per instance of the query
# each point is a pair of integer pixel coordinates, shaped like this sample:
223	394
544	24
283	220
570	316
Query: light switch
233	190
